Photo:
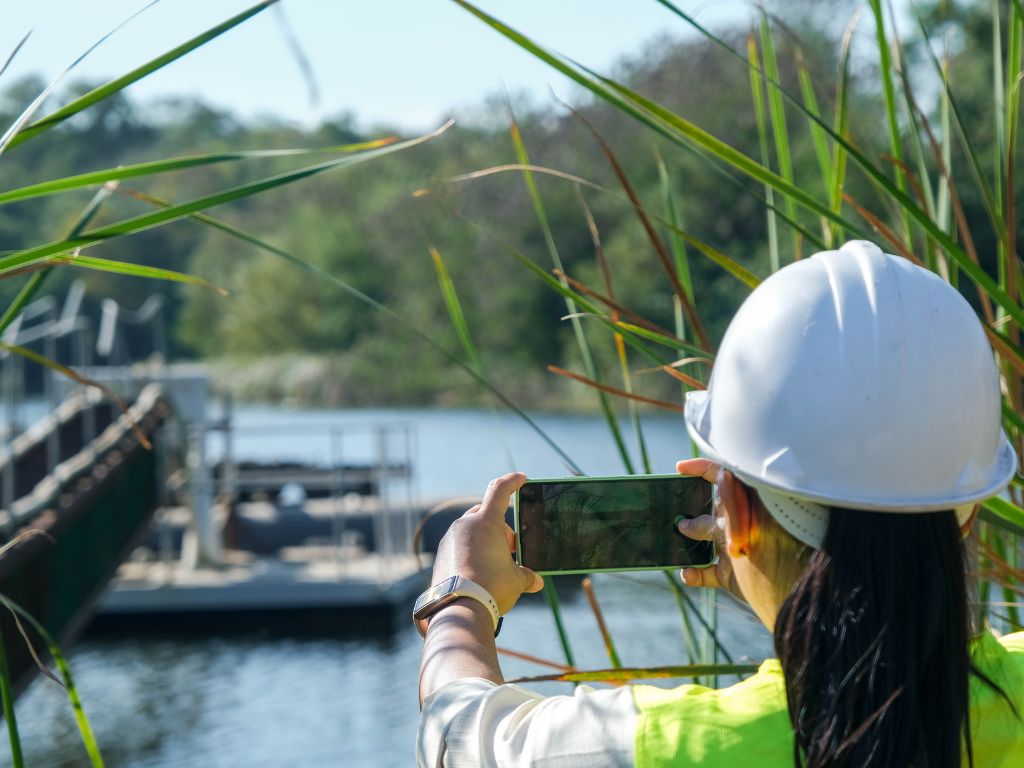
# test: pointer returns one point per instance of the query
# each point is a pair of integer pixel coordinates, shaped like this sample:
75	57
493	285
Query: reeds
916	177
39	259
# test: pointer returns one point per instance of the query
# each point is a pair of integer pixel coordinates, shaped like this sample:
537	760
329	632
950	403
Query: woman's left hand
479	544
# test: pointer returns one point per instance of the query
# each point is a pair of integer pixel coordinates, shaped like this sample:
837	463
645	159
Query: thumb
532	581
701	528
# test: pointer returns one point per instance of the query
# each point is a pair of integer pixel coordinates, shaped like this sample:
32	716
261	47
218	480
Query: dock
301	589
270	543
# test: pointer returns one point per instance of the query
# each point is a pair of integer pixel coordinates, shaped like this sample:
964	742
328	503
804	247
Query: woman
851	426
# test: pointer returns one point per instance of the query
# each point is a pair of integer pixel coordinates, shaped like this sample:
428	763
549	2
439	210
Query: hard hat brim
698	426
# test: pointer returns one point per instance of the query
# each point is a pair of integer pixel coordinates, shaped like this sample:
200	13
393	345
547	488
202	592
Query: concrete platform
304	588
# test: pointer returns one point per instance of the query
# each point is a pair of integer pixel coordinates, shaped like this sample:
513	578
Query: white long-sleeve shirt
473	723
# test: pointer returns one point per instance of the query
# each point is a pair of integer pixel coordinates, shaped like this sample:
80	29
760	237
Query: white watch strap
466	588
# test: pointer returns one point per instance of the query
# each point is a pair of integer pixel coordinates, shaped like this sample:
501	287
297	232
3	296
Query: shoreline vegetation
334	381
373	227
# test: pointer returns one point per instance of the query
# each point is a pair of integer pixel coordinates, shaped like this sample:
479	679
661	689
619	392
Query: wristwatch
448	591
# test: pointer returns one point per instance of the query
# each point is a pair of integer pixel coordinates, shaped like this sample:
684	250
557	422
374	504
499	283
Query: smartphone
590	524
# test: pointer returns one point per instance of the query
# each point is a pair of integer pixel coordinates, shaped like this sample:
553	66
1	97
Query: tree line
283	333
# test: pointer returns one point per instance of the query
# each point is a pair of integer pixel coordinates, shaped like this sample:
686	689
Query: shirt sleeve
473	722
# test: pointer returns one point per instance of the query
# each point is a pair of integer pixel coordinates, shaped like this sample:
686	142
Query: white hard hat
855	379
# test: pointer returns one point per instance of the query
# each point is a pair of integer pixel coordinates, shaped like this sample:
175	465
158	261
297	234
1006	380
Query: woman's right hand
707	528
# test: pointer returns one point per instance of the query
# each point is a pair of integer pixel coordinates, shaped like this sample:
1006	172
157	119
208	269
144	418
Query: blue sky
406	63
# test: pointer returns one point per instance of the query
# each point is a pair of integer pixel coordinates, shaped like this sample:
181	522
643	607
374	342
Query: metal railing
356	467
63	334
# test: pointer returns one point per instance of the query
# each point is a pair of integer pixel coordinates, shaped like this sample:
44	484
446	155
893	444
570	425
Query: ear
965	529
742	526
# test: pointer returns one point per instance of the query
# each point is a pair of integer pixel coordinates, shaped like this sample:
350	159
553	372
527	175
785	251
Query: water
456	452
255	702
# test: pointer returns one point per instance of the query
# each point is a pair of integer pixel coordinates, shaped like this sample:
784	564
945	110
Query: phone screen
594	524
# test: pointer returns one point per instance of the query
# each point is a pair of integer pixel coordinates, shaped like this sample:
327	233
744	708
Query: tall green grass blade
556	612
674	342
581	338
711	643
943	202
146	221
355	293
780	131
156	167
458	321
1012	420
818	136
620	346
842	117
7	697
118	84
682	262
11	134
679	254
1004	514
892	119
689	633
1008	255
35	282
757	91
913	134
133	270
731	266
1010	597
694	611
454	306
84	729
11	56
998	95
971	155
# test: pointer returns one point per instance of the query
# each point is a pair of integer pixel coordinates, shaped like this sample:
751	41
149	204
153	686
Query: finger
700	577
472	510
698	468
532	580
700	528
499	493
510	537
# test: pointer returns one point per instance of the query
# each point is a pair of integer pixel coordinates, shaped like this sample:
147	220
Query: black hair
873	641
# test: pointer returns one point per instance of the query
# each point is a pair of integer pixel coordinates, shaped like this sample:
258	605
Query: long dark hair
873	642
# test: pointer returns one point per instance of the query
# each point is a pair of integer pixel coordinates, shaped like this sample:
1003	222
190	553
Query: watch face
436	592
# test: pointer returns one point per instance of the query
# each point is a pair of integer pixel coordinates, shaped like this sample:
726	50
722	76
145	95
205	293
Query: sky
406	64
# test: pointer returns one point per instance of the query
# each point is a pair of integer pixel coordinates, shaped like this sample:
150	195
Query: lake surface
255	702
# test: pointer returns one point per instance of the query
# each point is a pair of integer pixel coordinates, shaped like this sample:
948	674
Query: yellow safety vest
748	723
